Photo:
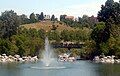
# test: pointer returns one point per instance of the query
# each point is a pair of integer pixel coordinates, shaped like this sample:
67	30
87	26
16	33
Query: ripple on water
48	68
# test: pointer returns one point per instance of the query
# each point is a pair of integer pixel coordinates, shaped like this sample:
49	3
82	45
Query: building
47	17
69	17
93	19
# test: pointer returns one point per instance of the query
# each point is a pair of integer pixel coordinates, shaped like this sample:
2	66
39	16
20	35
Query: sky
57	7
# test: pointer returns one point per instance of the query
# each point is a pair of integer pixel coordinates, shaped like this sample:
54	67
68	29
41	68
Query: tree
65	35
62	17
10	23
41	17
0	28
37	17
23	19
53	18
32	18
41	33
110	12
100	35
54	35
85	20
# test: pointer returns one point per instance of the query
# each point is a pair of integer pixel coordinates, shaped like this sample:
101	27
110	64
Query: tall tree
23	19
62	17
41	17
53	18
110	12
100	35
0	28
37	17
85	20
10	23
32	18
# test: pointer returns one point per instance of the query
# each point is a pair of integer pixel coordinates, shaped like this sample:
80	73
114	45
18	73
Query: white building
47	17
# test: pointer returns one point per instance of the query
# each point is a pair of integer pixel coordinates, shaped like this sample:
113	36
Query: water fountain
47	54
48	60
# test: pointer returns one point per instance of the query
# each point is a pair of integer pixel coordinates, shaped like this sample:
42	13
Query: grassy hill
47	25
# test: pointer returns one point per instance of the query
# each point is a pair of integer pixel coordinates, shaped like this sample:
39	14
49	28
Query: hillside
47	25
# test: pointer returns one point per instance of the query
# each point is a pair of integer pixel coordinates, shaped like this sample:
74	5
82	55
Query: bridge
69	46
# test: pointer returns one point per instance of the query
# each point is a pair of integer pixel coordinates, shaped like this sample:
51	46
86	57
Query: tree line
84	21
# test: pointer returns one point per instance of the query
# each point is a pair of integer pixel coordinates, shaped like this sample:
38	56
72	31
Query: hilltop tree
23	19
10	23
62	17
53	18
37	17
85	20
32	18
41	17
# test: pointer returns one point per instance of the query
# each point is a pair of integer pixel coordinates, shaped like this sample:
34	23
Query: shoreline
16	58
106	59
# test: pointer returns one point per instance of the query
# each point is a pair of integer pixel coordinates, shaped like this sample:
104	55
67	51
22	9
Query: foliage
54	35
110	12
41	17
78	35
62	17
107	35
10	23
75	52
84	21
32	18
53	18
100	36
99	33
26	42
23	19
87	21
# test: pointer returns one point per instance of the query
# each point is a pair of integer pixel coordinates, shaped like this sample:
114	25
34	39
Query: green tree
65	35
0	28
53	18
37	17
109	12
62	17
54	35
99	35
41	17
32	18
10	23
23	19
42	33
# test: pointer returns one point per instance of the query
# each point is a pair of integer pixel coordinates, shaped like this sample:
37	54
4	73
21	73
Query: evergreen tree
53	18
110	12
32	18
41	17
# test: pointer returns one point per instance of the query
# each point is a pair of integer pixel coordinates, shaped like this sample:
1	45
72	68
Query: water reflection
9	70
109	70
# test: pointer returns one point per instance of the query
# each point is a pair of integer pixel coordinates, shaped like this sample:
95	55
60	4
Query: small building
47	17
93	19
69	17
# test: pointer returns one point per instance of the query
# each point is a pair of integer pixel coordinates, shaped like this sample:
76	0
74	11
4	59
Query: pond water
77	68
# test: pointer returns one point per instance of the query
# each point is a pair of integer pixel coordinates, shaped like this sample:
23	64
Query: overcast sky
57	7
